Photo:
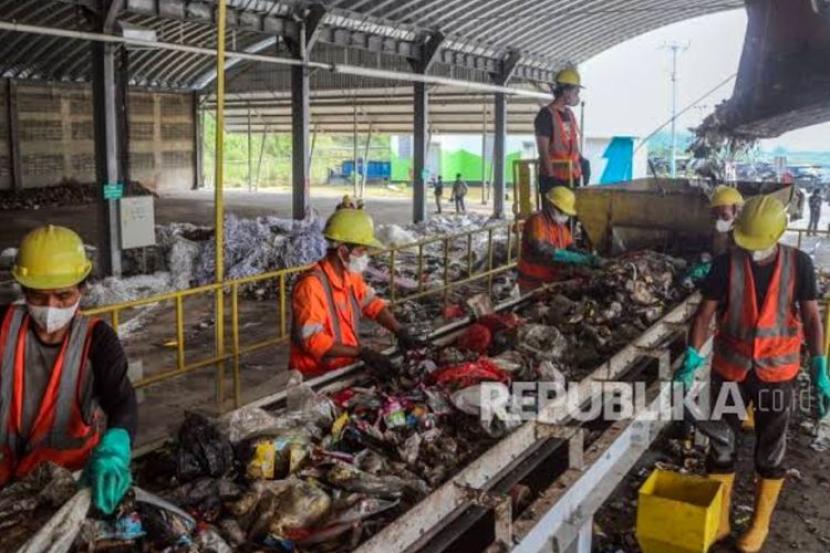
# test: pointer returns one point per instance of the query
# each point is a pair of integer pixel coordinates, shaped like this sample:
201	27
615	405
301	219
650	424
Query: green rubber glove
572	258
698	272
821	382
108	470
691	363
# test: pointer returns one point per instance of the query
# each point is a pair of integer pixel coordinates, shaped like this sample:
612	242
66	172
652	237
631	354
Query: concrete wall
56	137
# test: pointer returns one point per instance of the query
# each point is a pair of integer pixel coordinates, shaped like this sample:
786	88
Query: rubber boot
766	496
727	481
749	423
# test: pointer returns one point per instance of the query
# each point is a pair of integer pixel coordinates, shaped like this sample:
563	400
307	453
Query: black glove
408	341
377	361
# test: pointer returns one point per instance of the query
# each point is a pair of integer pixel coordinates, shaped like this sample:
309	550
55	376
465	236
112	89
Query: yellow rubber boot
766	496
727	481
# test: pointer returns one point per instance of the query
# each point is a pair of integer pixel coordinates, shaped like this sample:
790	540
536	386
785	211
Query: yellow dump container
678	513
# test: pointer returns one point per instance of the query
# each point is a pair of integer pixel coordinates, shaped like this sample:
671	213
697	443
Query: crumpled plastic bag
253	422
542	342
486	401
303	401
350	478
201	450
209	540
279	507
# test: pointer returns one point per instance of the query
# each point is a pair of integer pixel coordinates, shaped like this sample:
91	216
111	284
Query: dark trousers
773	403
438	202
459	205
812	226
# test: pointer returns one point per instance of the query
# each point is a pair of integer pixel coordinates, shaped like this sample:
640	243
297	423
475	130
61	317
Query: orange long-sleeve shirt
327	310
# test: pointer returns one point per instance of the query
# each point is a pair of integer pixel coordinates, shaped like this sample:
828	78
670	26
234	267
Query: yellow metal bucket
678	513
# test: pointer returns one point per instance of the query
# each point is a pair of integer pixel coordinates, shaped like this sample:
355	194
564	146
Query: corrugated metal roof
548	33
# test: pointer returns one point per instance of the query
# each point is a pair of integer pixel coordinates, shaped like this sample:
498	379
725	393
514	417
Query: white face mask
52	319
358	263
761	255
724	225
560	218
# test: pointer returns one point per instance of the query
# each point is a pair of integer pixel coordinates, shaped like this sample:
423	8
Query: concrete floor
197	207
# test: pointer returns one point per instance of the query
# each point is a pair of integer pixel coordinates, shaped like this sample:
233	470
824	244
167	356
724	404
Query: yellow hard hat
51	257
726	195
352	226
569	76
563	199
347	199
760	224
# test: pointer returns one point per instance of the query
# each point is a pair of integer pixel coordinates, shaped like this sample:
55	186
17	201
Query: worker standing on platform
61	372
547	244
558	137
329	300
763	291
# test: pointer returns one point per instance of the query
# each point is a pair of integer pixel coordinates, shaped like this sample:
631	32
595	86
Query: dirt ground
800	523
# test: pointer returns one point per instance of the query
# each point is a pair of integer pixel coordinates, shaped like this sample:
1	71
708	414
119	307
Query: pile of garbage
331	469
66	193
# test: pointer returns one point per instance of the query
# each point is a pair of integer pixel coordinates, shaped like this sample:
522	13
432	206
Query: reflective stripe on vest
564	148
55	412
767	340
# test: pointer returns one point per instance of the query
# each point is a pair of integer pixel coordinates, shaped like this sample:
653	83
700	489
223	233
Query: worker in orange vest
558	137
762	292
61	372
329	300
547	244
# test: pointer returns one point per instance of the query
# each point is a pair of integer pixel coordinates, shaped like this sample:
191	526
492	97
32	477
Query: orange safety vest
540	227
564	147
766	341
346	314
60	434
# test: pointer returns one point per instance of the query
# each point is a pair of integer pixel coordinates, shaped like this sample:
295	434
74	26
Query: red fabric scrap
469	374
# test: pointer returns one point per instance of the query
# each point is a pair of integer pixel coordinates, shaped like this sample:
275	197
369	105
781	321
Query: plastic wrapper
276	457
353	479
485	402
202	450
205	497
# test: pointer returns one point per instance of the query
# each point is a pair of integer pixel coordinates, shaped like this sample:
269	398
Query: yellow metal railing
223	355
803	231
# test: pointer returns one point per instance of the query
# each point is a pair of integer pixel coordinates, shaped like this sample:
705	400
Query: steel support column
419	154
105	94
198	129
13	136
300	120
499	153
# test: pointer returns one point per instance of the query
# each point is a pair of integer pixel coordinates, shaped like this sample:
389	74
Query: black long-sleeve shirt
111	387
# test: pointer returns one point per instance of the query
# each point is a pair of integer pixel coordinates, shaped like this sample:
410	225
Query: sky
628	87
